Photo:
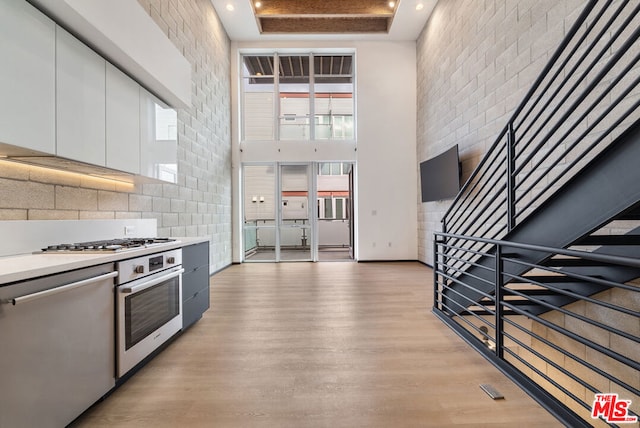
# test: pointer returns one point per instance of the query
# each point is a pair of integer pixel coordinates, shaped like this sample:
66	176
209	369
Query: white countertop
26	266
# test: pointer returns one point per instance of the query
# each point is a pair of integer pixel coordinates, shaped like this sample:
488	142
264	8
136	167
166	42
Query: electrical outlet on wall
129	230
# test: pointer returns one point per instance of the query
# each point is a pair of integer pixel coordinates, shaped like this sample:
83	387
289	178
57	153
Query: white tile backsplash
21	237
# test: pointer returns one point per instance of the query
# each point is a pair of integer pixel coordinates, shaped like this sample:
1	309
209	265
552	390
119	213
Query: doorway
334	186
298	212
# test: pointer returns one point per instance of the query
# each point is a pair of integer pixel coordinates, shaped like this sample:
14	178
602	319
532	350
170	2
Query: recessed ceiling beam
324	7
325	16
324	25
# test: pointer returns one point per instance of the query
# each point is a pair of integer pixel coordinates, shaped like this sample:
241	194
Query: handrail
491	290
596	257
507	322
556	55
550	122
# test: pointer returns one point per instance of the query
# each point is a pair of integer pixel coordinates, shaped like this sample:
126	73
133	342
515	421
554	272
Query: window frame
278	117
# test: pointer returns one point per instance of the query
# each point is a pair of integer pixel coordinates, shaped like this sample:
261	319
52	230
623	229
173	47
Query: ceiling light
230	7
258	4
419	6
392	4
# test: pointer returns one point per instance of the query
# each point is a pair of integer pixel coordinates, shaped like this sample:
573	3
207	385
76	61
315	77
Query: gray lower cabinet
195	282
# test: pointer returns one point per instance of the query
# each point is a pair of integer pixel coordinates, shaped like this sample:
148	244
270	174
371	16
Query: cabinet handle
149	284
62	288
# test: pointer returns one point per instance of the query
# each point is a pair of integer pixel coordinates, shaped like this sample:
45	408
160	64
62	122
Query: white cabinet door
123	121
158	139
80	101
27	77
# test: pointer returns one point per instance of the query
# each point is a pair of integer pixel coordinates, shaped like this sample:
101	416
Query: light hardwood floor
318	345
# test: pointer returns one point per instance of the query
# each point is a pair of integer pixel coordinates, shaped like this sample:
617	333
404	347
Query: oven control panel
139	267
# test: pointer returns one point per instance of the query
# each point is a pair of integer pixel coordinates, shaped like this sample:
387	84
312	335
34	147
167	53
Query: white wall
385	148
387	165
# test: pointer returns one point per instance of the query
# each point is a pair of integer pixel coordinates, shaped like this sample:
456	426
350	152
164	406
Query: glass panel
259	212
260	243
328	208
295	243
295	232
339	208
259	191
325	169
334	97
250	240
148	310
258	115
158	139
294	97
295	192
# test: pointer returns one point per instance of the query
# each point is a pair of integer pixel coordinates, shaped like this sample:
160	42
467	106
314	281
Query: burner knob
138	269
171	260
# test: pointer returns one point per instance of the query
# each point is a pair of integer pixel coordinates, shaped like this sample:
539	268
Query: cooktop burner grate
107	245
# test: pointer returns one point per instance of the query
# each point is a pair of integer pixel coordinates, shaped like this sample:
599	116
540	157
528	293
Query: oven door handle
62	288
149	284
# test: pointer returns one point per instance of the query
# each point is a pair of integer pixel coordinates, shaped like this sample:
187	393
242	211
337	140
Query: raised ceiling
324	16
323	19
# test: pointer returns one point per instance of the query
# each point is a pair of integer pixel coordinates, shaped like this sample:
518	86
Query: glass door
334	209
294	219
298	211
260	202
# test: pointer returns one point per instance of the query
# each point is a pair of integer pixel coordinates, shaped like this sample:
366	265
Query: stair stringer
608	186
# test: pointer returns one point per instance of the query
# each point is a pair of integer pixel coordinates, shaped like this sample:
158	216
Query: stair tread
560	222
574	262
609	240
546	278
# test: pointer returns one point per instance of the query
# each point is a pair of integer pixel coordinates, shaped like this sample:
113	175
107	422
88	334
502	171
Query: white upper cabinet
27	77
158	139
80	101
123	121
59	97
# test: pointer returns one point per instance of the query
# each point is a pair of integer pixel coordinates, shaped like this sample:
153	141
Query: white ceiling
241	25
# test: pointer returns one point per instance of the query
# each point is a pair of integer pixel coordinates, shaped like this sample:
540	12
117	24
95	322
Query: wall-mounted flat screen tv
440	176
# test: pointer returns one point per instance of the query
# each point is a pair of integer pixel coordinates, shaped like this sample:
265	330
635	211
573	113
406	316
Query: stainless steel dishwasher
57	350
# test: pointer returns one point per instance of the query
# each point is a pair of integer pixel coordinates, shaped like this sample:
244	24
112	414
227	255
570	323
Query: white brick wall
476	61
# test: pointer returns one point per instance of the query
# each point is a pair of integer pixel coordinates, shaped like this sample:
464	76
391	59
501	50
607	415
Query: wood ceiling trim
324	7
324	16
324	25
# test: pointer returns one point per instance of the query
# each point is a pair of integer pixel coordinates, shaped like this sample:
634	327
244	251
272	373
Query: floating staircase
540	250
606	190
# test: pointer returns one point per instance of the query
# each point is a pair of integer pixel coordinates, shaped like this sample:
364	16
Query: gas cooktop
110	245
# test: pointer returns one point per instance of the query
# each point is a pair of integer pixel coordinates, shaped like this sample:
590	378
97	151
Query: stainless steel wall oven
148	305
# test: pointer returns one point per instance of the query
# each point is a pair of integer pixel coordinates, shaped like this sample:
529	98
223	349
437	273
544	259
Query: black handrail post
511	180
499	293
444	258
436	302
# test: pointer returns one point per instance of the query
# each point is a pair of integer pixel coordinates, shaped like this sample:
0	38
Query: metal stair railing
567	355
561	353
586	96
